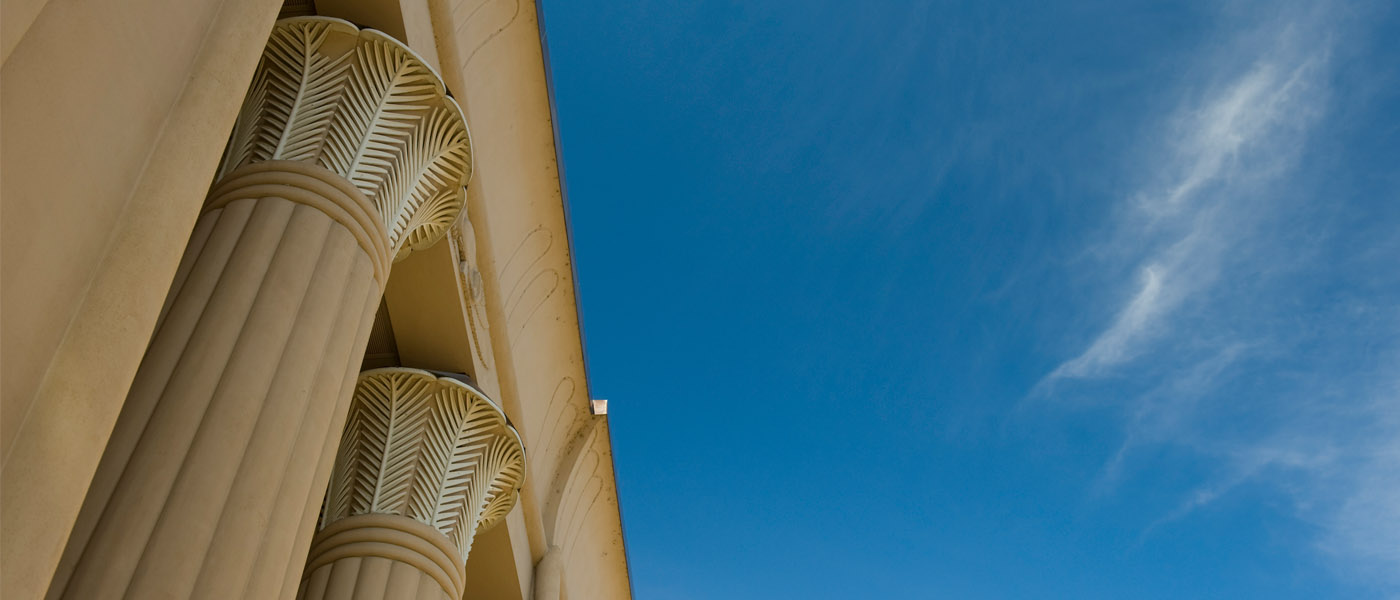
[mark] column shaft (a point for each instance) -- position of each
(208, 472)
(370, 578)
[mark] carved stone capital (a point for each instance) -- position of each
(365, 107)
(429, 448)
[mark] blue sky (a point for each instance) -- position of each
(992, 299)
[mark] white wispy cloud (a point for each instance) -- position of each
(1355, 497)
(1327, 438)
(1239, 139)
(1275, 97)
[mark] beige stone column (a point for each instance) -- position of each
(347, 154)
(425, 463)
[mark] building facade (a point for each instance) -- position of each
(288, 307)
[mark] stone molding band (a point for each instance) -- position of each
(393, 537)
(318, 188)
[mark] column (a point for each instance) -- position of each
(347, 154)
(425, 463)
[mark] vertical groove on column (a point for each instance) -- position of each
(315, 585)
(246, 521)
(429, 589)
(327, 440)
(370, 578)
(373, 580)
(198, 239)
(177, 329)
(145, 479)
(178, 325)
(242, 418)
(184, 531)
(344, 573)
(403, 582)
(279, 547)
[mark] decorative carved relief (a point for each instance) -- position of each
(529, 283)
(430, 448)
(364, 106)
(474, 290)
(580, 488)
(478, 21)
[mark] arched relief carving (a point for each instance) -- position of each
(580, 488)
(586, 523)
(525, 257)
(540, 289)
(528, 287)
(586, 500)
(564, 422)
(478, 22)
(569, 421)
(569, 465)
(563, 392)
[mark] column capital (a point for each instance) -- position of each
(367, 108)
(430, 448)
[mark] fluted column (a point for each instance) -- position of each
(425, 463)
(347, 155)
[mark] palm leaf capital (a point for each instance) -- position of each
(366, 107)
(430, 448)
